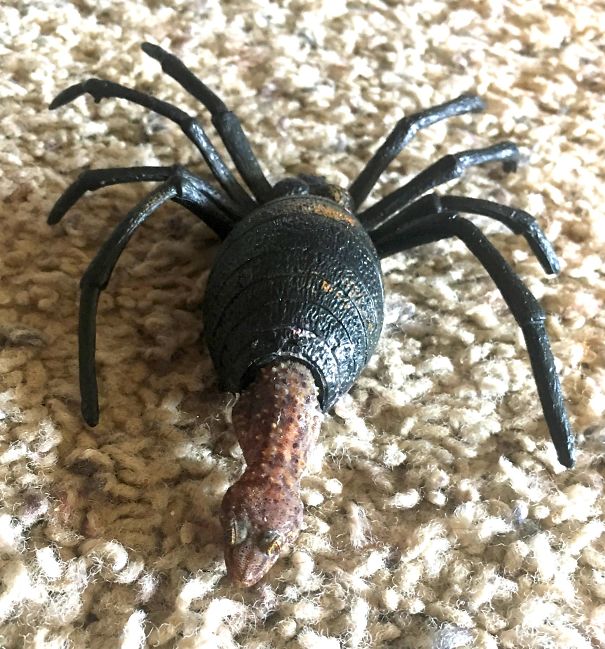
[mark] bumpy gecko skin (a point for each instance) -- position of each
(276, 420)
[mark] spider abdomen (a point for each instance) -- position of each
(299, 279)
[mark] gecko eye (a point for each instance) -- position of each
(271, 542)
(238, 531)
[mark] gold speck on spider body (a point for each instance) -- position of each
(335, 213)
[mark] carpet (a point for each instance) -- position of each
(436, 514)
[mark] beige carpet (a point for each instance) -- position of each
(436, 513)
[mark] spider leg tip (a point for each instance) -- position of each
(478, 103)
(152, 50)
(67, 95)
(566, 449)
(56, 102)
(90, 415)
(53, 217)
(554, 266)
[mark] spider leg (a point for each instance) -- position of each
(101, 89)
(443, 170)
(205, 201)
(400, 136)
(95, 280)
(518, 221)
(226, 123)
(525, 308)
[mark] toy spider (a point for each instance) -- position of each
(294, 304)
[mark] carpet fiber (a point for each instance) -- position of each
(436, 513)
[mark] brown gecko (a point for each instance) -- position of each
(276, 420)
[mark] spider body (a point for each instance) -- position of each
(298, 279)
(294, 303)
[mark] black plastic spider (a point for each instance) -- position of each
(404, 219)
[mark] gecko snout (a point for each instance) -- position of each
(259, 519)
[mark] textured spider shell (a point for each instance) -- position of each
(300, 279)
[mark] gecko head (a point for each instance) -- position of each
(259, 519)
